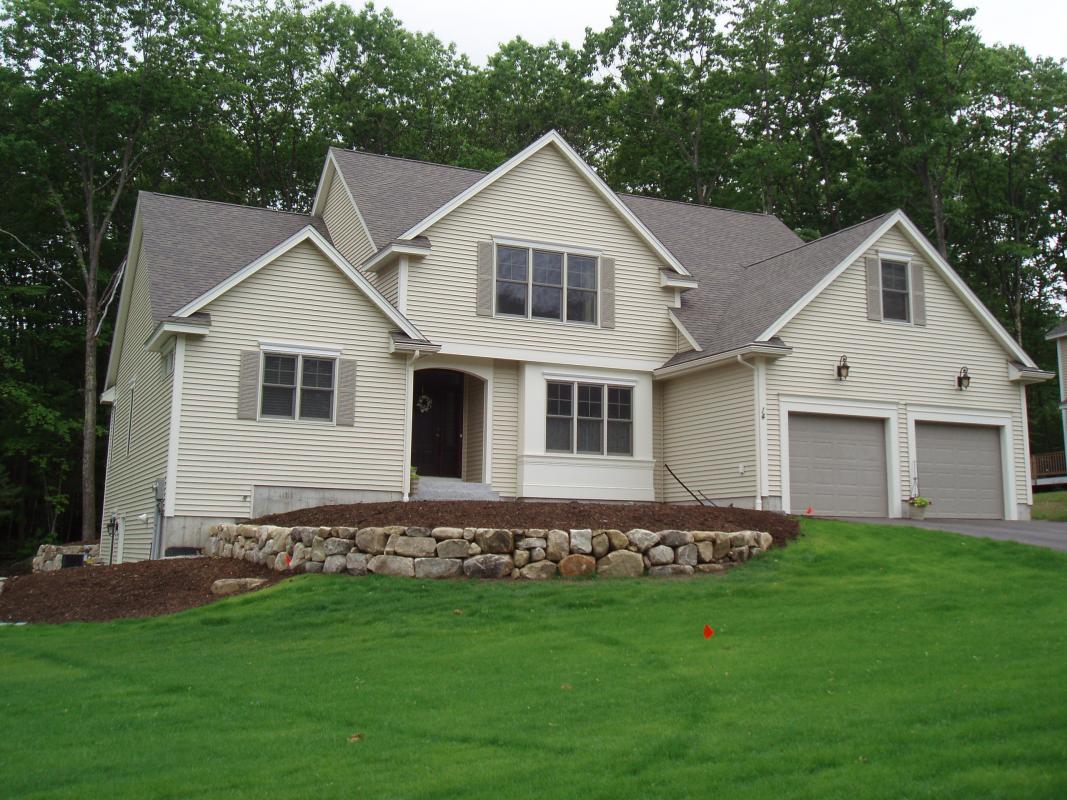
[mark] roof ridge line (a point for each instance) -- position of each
(700, 205)
(409, 160)
(231, 205)
(816, 241)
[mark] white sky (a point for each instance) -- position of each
(478, 26)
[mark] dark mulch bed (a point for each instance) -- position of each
(472, 514)
(142, 589)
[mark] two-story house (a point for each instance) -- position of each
(530, 333)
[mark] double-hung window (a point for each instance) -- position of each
(546, 284)
(297, 387)
(589, 418)
(895, 303)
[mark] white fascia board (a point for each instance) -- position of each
(386, 255)
(676, 281)
(718, 359)
(1028, 376)
(552, 137)
(107, 397)
(328, 250)
(970, 299)
(1051, 337)
(125, 297)
(331, 170)
(413, 347)
(684, 331)
(511, 353)
(165, 331)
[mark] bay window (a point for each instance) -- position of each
(589, 418)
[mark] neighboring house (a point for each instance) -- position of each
(532, 332)
(1059, 336)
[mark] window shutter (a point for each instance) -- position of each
(917, 287)
(485, 279)
(607, 292)
(248, 385)
(346, 392)
(874, 288)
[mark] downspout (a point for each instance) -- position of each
(758, 430)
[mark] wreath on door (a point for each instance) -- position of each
(425, 403)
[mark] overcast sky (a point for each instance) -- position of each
(478, 26)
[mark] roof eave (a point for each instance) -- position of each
(761, 349)
(1028, 376)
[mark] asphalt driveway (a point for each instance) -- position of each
(1039, 533)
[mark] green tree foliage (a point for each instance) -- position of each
(824, 112)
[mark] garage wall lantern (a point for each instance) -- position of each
(842, 368)
(963, 380)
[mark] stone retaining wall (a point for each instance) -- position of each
(50, 556)
(486, 552)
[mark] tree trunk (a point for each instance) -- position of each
(89, 528)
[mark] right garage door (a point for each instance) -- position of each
(959, 469)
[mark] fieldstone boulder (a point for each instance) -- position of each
(711, 568)
(490, 565)
(529, 543)
(313, 566)
(343, 533)
(356, 563)
(559, 545)
(318, 549)
(307, 535)
(227, 550)
(468, 534)
(741, 539)
(521, 558)
(494, 540)
(739, 554)
(539, 571)
(224, 586)
(412, 546)
(577, 566)
(336, 547)
(704, 536)
(621, 564)
(447, 533)
(601, 545)
(670, 571)
(616, 539)
(642, 539)
(582, 541)
(705, 552)
(687, 555)
(722, 546)
(392, 565)
(438, 568)
(675, 538)
(417, 532)
(538, 554)
(660, 554)
(334, 564)
(764, 540)
(453, 548)
(372, 540)
(281, 562)
(472, 548)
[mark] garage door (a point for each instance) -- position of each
(837, 465)
(959, 469)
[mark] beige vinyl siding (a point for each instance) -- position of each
(542, 200)
(893, 362)
(386, 281)
(129, 487)
(505, 427)
(658, 427)
(709, 432)
(342, 221)
(299, 297)
(473, 428)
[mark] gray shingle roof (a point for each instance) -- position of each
(191, 246)
(1057, 332)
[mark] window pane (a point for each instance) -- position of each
(547, 302)
(548, 268)
(589, 435)
(581, 306)
(894, 276)
(895, 305)
(581, 272)
(511, 298)
(619, 401)
(558, 436)
(280, 370)
(559, 399)
(619, 438)
(318, 373)
(316, 404)
(511, 263)
(278, 401)
(591, 401)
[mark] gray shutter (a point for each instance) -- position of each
(607, 292)
(485, 279)
(248, 385)
(917, 290)
(874, 288)
(346, 392)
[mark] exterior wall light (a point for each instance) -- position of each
(963, 380)
(842, 368)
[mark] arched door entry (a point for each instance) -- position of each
(437, 423)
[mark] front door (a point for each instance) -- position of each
(437, 423)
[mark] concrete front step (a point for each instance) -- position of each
(452, 489)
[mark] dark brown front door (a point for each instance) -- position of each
(437, 423)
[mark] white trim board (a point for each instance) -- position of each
(684, 331)
(843, 408)
(174, 433)
(935, 260)
(320, 195)
(553, 138)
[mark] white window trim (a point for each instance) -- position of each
(301, 349)
(605, 385)
(260, 417)
(562, 249)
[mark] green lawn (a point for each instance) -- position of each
(860, 662)
(1050, 505)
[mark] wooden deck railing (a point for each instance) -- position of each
(1044, 465)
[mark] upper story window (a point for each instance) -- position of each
(297, 387)
(895, 303)
(546, 284)
(589, 419)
